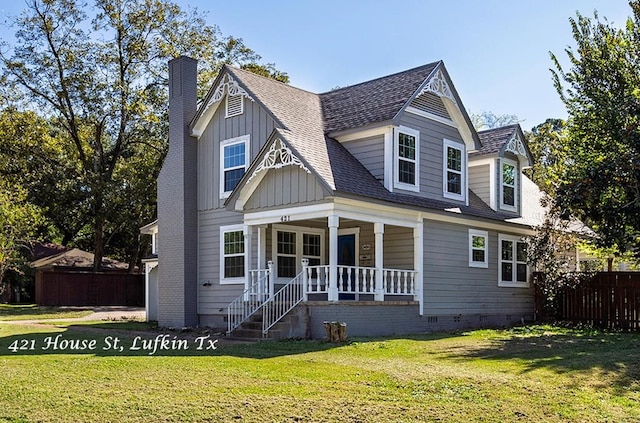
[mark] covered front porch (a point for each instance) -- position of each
(331, 252)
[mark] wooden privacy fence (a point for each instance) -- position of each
(72, 288)
(609, 300)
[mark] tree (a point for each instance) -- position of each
(18, 223)
(601, 90)
(546, 143)
(101, 81)
(489, 120)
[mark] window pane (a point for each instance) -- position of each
(231, 178)
(286, 243)
(508, 196)
(507, 271)
(454, 183)
(234, 267)
(407, 172)
(522, 272)
(521, 254)
(478, 255)
(311, 245)
(507, 250)
(407, 146)
(233, 242)
(508, 174)
(234, 155)
(477, 241)
(286, 267)
(454, 159)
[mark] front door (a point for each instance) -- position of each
(346, 257)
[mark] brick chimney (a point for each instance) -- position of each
(177, 204)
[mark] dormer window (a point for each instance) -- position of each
(455, 168)
(235, 105)
(407, 159)
(508, 184)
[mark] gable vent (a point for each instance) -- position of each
(431, 103)
(234, 105)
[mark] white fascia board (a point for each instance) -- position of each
(360, 134)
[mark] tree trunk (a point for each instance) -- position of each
(610, 264)
(134, 254)
(98, 245)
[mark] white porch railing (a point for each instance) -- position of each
(250, 301)
(282, 302)
(361, 280)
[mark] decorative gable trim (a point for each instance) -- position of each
(439, 86)
(229, 86)
(516, 146)
(278, 156)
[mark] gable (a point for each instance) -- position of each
(227, 92)
(288, 185)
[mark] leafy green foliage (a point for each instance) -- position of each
(97, 73)
(599, 182)
(18, 223)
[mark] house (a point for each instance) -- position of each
(376, 204)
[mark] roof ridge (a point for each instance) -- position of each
(513, 125)
(234, 68)
(382, 77)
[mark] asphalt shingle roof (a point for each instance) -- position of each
(373, 101)
(494, 139)
(307, 118)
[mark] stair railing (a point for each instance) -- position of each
(250, 301)
(285, 300)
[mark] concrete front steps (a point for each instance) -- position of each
(293, 325)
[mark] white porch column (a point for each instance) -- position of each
(378, 230)
(305, 279)
(418, 264)
(247, 255)
(262, 247)
(333, 223)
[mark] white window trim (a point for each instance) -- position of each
(396, 157)
(299, 231)
(463, 174)
(229, 115)
(485, 235)
(223, 230)
(514, 283)
(247, 156)
(504, 206)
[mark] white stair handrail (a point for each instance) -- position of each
(250, 301)
(285, 300)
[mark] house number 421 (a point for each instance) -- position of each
(285, 218)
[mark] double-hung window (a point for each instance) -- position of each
(478, 251)
(291, 244)
(407, 159)
(454, 175)
(234, 159)
(233, 255)
(512, 267)
(508, 184)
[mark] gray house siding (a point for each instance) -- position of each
(451, 287)
(479, 182)
(432, 134)
(370, 152)
(289, 185)
(255, 121)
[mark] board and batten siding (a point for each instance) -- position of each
(479, 182)
(370, 152)
(432, 135)
(255, 121)
(289, 185)
(451, 287)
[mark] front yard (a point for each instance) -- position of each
(524, 374)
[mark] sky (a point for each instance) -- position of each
(496, 51)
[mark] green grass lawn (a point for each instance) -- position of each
(526, 374)
(33, 312)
